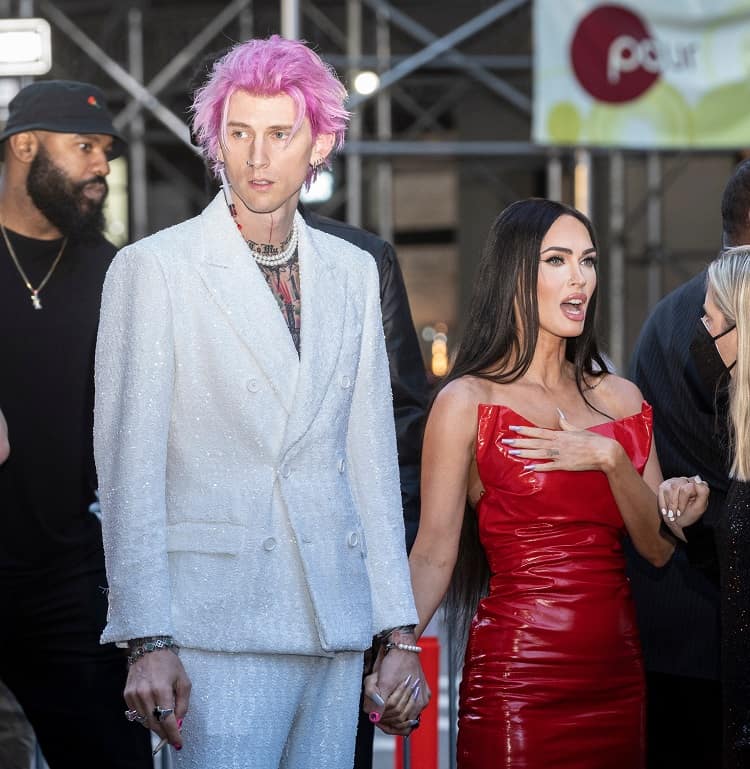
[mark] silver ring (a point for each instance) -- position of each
(161, 713)
(414, 723)
(134, 715)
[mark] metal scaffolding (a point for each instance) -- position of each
(407, 55)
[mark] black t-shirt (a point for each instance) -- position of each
(47, 395)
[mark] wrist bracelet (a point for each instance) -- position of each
(141, 646)
(403, 647)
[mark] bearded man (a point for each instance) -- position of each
(56, 149)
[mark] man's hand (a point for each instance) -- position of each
(157, 679)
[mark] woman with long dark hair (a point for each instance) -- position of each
(555, 457)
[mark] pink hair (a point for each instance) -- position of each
(269, 68)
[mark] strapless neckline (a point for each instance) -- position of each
(644, 409)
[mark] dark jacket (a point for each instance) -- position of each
(408, 378)
(678, 606)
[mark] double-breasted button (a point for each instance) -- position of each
(353, 539)
(252, 385)
(342, 465)
(286, 471)
(269, 544)
(346, 381)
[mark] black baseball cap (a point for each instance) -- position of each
(62, 106)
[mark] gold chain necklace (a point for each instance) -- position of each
(34, 291)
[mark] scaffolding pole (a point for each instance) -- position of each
(384, 129)
(654, 228)
(137, 145)
(353, 158)
(616, 258)
(290, 19)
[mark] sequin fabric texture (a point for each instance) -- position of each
(734, 557)
(245, 488)
(250, 496)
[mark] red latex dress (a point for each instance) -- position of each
(553, 677)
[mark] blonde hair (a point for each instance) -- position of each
(729, 280)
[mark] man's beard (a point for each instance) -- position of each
(63, 201)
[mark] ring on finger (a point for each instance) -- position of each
(161, 713)
(134, 715)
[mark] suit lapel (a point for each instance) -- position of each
(322, 327)
(241, 292)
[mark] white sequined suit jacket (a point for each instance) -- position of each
(250, 497)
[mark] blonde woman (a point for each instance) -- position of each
(726, 308)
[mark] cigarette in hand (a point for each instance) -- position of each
(162, 742)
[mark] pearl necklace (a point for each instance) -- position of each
(270, 256)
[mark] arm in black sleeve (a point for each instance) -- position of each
(408, 382)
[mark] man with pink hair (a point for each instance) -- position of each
(246, 450)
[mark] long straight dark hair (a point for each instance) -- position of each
(493, 347)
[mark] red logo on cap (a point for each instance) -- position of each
(92, 101)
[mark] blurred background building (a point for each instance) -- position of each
(439, 147)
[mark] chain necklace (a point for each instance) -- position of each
(33, 291)
(271, 256)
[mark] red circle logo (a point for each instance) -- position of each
(614, 55)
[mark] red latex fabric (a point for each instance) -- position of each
(553, 675)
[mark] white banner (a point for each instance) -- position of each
(642, 74)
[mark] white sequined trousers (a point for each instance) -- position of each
(262, 711)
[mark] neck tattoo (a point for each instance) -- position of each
(273, 256)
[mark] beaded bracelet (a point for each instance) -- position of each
(144, 646)
(403, 647)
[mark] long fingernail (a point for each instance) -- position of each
(406, 680)
(664, 511)
(375, 716)
(529, 467)
(562, 416)
(508, 441)
(179, 723)
(514, 452)
(515, 428)
(377, 699)
(678, 512)
(416, 684)
(415, 692)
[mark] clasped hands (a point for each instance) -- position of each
(396, 692)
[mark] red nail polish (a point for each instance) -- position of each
(179, 723)
(375, 717)
(178, 747)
